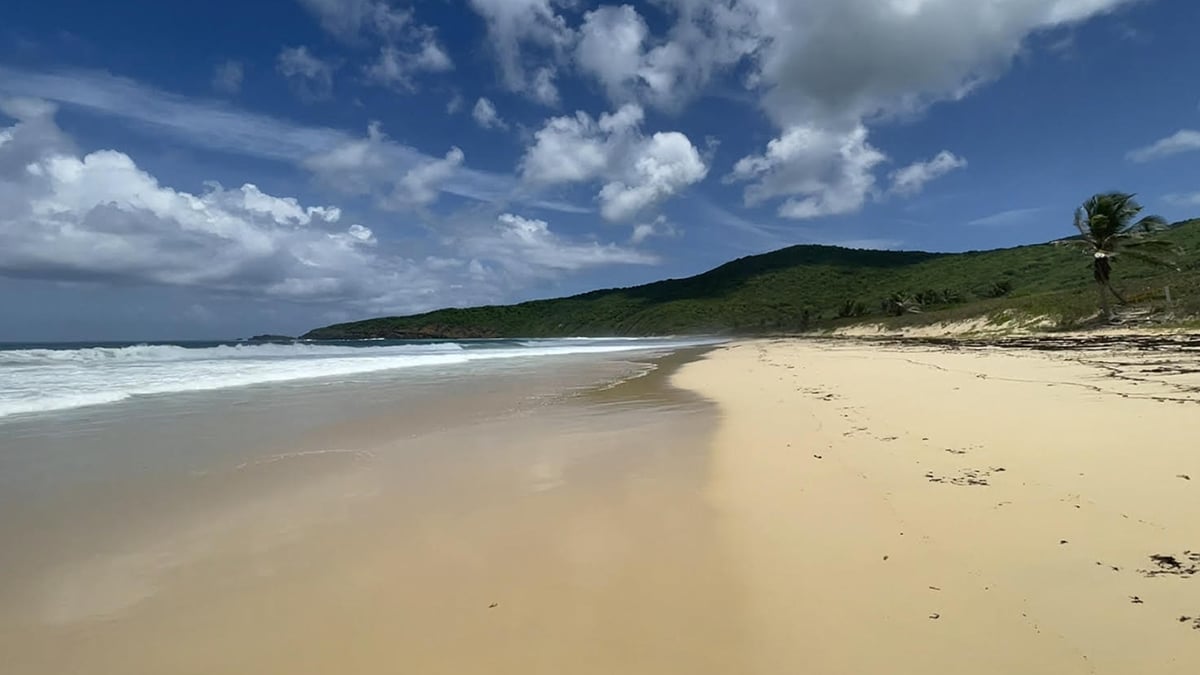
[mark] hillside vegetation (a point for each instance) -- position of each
(807, 287)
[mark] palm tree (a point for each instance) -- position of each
(1109, 227)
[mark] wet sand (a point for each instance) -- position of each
(570, 534)
(961, 508)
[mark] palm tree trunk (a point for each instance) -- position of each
(1116, 295)
(1104, 304)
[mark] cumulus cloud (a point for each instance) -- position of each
(216, 126)
(524, 31)
(659, 227)
(610, 47)
(527, 246)
(310, 77)
(911, 179)
(820, 172)
(377, 166)
(616, 47)
(1184, 140)
(845, 60)
(227, 77)
(829, 68)
(542, 88)
(421, 184)
(100, 218)
(396, 68)
(486, 116)
(349, 20)
(638, 171)
(405, 47)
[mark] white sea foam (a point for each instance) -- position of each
(41, 380)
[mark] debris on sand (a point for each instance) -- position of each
(1186, 565)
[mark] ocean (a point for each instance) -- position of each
(42, 378)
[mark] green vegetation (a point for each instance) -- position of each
(811, 287)
(1107, 229)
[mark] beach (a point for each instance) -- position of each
(532, 514)
(761, 506)
(916, 508)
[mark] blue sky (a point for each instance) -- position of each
(175, 170)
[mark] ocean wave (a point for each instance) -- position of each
(44, 380)
(145, 353)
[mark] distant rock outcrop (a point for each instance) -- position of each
(268, 337)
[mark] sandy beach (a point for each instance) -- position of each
(907, 508)
(539, 519)
(762, 507)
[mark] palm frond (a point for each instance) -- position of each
(1138, 242)
(1148, 258)
(1081, 221)
(1149, 225)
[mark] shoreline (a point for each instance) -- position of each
(906, 507)
(564, 531)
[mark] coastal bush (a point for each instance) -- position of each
(851, 309)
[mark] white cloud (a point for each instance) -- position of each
(829, 68)
(227, 77)
(660, 227)
(432, 57)
(396, 68)
(486, 116)
(840, 60)
(1185, 140)
(911, 179)
(1008, 218)
(616, 47)
(100, 218)
(310, 77)
(377, 166)
(521, 31)
(455, 104)
(610, 47)
(527, 246)
(349, 19)
(819, 171)
(542, 89)
(663, 166)
(219, 127)
(406, 48)
(1183, 199)
(420, 186)
(638, 172)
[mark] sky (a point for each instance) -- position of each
(174, 170)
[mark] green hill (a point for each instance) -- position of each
(807, 287)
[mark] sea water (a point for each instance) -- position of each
(42, 378)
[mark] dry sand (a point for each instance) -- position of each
(918, 509)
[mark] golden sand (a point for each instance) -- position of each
(911, 509)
